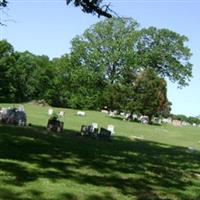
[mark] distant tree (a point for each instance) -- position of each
(43, 75)
(78, 87)
(58, 93)
(193, 120)
(7, 61)
(85, 91)
(112, 97)
(190, 120)
(180, 117)
(150, 94)
(166, 110)
(27, 79)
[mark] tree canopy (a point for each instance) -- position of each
(107, 47)
(150, 94)
(114, 63)
(120, 52)
(6, 62)
(117, 46)
(3, 3)
(92, 6)
(165, 52)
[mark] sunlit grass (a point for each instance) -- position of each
(35, 164)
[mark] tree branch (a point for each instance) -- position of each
(92, 6)
(3, 3)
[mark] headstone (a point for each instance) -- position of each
(62, 113)
(80, 113)
(50, 111)
(111, 129)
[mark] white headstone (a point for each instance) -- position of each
(50, 111)
(21, 108)
(111, 129)
(62, 113)
(80, 113)
(95, 125)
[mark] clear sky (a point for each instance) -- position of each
(47, 27)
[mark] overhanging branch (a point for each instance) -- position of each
(92, 6)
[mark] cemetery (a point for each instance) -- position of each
(97, 117)
(88, 151)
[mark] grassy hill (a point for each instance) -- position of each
(35, 164)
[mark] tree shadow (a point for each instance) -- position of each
(136, 169)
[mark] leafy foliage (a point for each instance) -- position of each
(106, 49)
(92, 6)
(119, 51)
(3, 3)
(7, 61)
(150, 94)
(190, 120)
(165, 52)
(114, 64)
(88, 6)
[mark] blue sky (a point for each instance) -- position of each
(47, 27)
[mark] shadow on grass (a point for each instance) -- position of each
(135, 169)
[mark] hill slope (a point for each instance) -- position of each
(37, 165)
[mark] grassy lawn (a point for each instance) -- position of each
(37, 165)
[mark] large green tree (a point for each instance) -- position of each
(106, 49)
(149, 95)
(23, 76)
(74, 86)
(102, 69)
(107, 46)
(29, 77)
(58, 92)
(118, 50)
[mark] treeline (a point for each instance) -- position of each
(114, 64)
(183, 118)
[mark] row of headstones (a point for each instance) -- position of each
(62, 113)
(93, 131)
(127, 116)
(89, 130)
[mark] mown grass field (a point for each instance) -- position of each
(35, 164)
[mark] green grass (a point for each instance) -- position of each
(37, 165)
